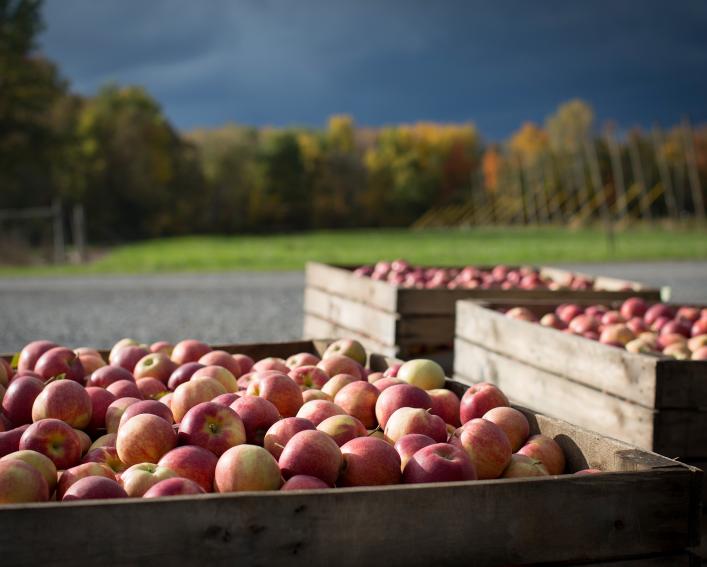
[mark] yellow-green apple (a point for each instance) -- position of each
(340, 364)
(400, 396)
(440, 462)
(57, 361)
(212, 426)
(145, 438)
(633, 307)
(257, 414)
(189, 350)
(308, 377)
(279, 389)
(513, 422)
(223, 359)
(177, 486)
(410, 444)
(423, 373)
(30, 353)
(21, 482)
(115, 412)
(65, 400)
(583, 323)
(302, 359)
(122, 343)
(553, 321)
(107, 456)
(313, 453)
(522, 466)
(42, 463)
(94, 487)
(336, 382)
(220, 374)
(10, 440)
(194, 392)
(387, 382)
(545, 450)
(313, 394)
(124, 389)
(247, 468)
(368, 461)
(699, 354)
(618, 335)
(317, 411)
(244, 361)
(271, 363)
(678, 351)
(695, 343)
(162, 346)
(342, 428)
(90, 360)
(657, 311)
(347, 347)
(107, 375)
(84, 440)
(107, 440)
(154, 365)
(304, 482)
(359, 400)
(139, 478)
(282, 431)
(151, 388)
(445, 404)
(182, 374)
(128, 357)
(522, 314)
(195, 463)
(392, 370)
(415, 420)
(74, 474)
(19, 399)
(101, 399)
(479, 399)
(146, 406)
(486, 444)
(55, 439)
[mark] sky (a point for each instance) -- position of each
(296, 62)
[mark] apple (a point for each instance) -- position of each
(616, 335)
(183, 374)
(138, 479)
(302, 359)
(129, 356)
(688, 313)
(317, 411)
(31, 353)
(244, 361)
(189, 350)
(308, 377)
(346, 347)
(610, 318)
(699, 327)
(677, 326)
(545, 450)
(213, 427)
(174, 487)
(192, 462)
(368, 461)
(553, 321)
(375, 376)
(245, 380)
(271, 363)
(100, 399)
(151, 388)
(513, 423)
(124, 389)
(152, 407)
(281, 390)
(226, 399)
(659, 310)
(70, 476)
(19, 399)
(107, 440)
(479, 399)
(107, 456)
(522, 314)
(10, 440)
(335, 383)
(486, 444)
(313, 453)
(107, 375)
(568, 312)
(258, 415)
(583, 324)
(154, 365)
(247, 468)
(359, 400)
(664, 341)
(55, 439)
(162, 346)
(282, 431)
(440, 462)
(42, 463)
(522, 466)
(407, 420)
(445, 404)
(312, 394)
(387, 382)
(84, 440)
(633, 307)
(425, 374)
(220, 374)
(699, 354)
(65, 400)
(340, 364)
(167, 399)
(678, 351)
(122, 343)
(144, 438)
(57, 361)
(115, 412)
(21, 482)
(400, 396)
(659, 323)
(392, 370)
(342, 428)
(409, 444)
(640, 346)
(598, 311)
(695, 343)
(194, 392)
(224, 360)
(637, 326)
(304, 482)
(94, 487)
(90, 362)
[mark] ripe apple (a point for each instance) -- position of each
(359, 400)
(340, 364)
(94, 487)
(144, 438)
(304, 482)
(246, 468)
(183, 374)
(192, 462)
(664, 341)
(616, 335)
(107, 375)
(31, 353)
(302, 359)
(425, 374)
(19, 399)
(57, 361)
(486, 444)
(677, 326)
(347, 347)
(84, 440)
(312, 394)
(368, 461)
(568, 312)
(611, 318)
(583, 324)
(146, 407)
(224, 360)
(139, 478)
(226, 399)
(10, 440)
(154, 365)
(342, 428)
(308, 377)
(553, 321)
(409, 444)
(440, 462)
(115, 412)
(522, 466)
(678, 351)
(220, 374)
(392, 370)
(479, 399)
(699, 354)
(633, 307)
(637, 325)
(387, 382)
(598, 311)
(128, 357)
(177, 486)
(513, 423)
(101, 399)
(151, 388)
(699, 327)
(189, 350)
(695, 343)
(107, 440)
(119, 345)
(404, 421)
(281, 390)
(42, 463)
(162, 346)
(317, 411)
(312, 453)
(194, 392)
(335, 383)
(445, 404)
(258, 415)
(282, 431)
(55, 439)
(65, 400)
(90, 362)
(271, 363)
(213, 427)
(545, 450)
(688, 313)
(520, 313)
(659, 310)
(74, 474)
(400, 396)
(21, 482)
(244, 361)
(107, 456)
(124, 389)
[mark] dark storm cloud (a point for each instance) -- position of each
(298, 61)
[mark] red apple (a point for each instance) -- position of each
(129, 356)
(107, 375)
(55, 439)
(407, 420)
(616, 335)
(244, 361)
(122, 343)
(21, 482)
(633, 307)
(553, 321)
(699, 327)
(144, 438)
(220, 374)
(317, 411)
(194, 392)
(308, 377)
(513, 423)
(346, 347)
(152, 407)
(375, 376)
(107, 440)
(195, 463)
(339, 364)
(522, 466)
(57, 361)
(246, 468)
(151, 388)
(677, 326)
(359, 400)
(410, 444)
(31, 353)
(84, 440)
(162, 346)
(154, 365)
(333, 385)
(342, 428)
(386, 382)
(582, 324)
(65, 400)
(688, 313)
(569, 312)
(637, 325)
(213, 427)
(70, 476)
(313, 453)
(312, 394)
(90, 362)
(400, 396)
(101, 399)
(282, 431)
(479, 399)
(392, 370)
(107, 456)
(124, 389)
(138, 479)
(302, 359)
(258, 415)
(612, 318)
(94, 487)
(223, 359)
(189, 350)
(446, 405)
(664, 341)
(183, 374)
(177, 486)
(10, 440)
(545, 450)
(226, 399)
(486, 444)
(369, 462)
(304, 482)
(281, 390)
(115, 412)
(271, 363)
(598, 311)
(659, 310)
(19, 399)
(42, 463)
(440, 462)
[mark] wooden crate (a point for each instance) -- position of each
(407, 322)
(657, 404)
(644, 510)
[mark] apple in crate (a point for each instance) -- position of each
(423, 373)
(339, 364)
(368, 461)
(146, 407)
(174, 487)
(247, 468)
(440, 462)
(522, 466)
(271, 363)
(162, 346)
(189, 350)
(151, 388)
(220, 374)
(57, 361)
(400, 396)
(31, 353)
(479, 399)
(282, 431)
(107, 375)
(115, 411)
(304, 482)
(145, 438)
(547, 451)
(244, 361)
(101, 399)
(281, 390)
(70, 476)
(308, 377)
(107, 456)
(21, 482)
(223, 359)
(90, 359)
(513, 423)
(407, 420)
(486, 444)
(633, 307)
(139, 478)
(359, 400)
(182, 374)
(65, 400)
(302, 359)
(94, 487)
(410, 444)
(386, 382)
(10, 440)
(336, 383)
(346, 347)
(129, 356)
(257, 415)
(124, 389)
(42, 463)
(55, 439)
(19, 399)
(122, 343)
(192, 393)
(194, 463)
(445, 404)
(154, 365)
(342, 428)
(522, 314)
(313, 453)
(213, 427)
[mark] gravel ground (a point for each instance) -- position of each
(217, 308)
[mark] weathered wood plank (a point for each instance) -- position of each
(315, 326)
(427, 329)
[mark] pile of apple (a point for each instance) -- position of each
(403, 274)
(160, 421)
(658, 329)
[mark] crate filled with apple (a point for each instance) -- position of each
(407, 311)
(302, 452)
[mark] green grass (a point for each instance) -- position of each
(483, 245)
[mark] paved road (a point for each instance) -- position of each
(230, 307)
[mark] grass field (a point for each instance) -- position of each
(290, 252)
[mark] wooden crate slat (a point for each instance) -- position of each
(315, 326)
(426, 329)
